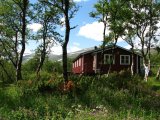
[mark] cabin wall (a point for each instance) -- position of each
(85, 63)
(77, 66)
(116, 66)
(88, 64)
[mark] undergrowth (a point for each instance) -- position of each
(116, 97)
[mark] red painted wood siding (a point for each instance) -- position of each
(86, 65)
(77, 66)
(117, 66)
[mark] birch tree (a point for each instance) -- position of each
(118, 14)
(145, 19)
(67, 9)
(101, 14)
(48, 17)
(14, 15)
(145, 16)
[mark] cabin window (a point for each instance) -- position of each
(108, 58)
(79, 61)
(125, 59)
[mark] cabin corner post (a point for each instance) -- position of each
(82, 64)
(95, 63)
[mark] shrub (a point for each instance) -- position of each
(9, 77)
(118, 96)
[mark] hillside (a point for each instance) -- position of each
(55, 57)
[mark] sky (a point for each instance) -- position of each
(88, 32)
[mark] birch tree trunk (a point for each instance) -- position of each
(113, 53)
(23, 42)
(132, 65)
(67, 34)
(158, 74)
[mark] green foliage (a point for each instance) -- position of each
(8, 75)
(69, 64)
(118, 96)
(49, 66)
(155, 59)
(31, 65)
(94, 97)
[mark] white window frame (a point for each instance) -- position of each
(109, 58)
(125, 60)
(79, 61)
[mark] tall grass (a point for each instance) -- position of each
(116, 97)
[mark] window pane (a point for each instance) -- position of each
(108, 59)
(125, 59)
(122, 61)
(80, 62)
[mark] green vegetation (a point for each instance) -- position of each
(116, 97)
(35, 90)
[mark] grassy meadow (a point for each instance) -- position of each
(116, 97)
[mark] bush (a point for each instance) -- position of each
(118, 96)
(4, 78)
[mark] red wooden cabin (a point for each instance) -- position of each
(90, 62)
